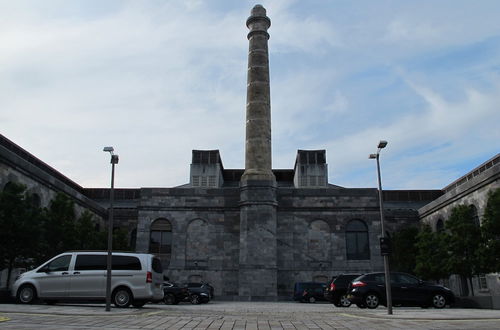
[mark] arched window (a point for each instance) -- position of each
(439, 225)
(160, 242)
(357, 245)
(475, 216)
(35, 200)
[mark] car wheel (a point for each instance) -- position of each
(122, 297)
(195, 299)
(371, 300)
(344, 302)
(311, 300)
(138, 304)
(438, 300)
(169, 299)
(26, 294)
(361, 305)
(337, 303)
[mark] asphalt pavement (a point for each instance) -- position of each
(241, 315)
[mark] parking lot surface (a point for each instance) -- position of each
(241, 315)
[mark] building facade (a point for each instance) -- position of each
(251, 232)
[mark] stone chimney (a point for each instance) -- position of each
(258, 110)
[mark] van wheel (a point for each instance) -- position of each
(312, 300)
(122, 297)
(169, 299)
(138, 303)
(26, 294)
(195, 299)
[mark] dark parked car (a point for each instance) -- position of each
(309, 291)
(336, 290)
(199, 292)
(369, 291)
(173, 293)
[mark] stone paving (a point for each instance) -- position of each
(241, 315)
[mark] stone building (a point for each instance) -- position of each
(251, 232)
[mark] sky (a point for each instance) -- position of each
(156, 79)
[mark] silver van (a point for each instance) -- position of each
(136, 278)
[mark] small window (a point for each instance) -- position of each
(303, 181)
(312, 180)
(211, 180)
(439, 225)
(321, 180)
(203, 181)
(196, 180)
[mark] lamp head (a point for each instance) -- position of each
(108, 149)
(373, 156)
(382, 144)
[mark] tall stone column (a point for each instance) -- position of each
(258, 116)
(258, 205)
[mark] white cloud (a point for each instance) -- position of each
(157, 79)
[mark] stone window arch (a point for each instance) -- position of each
(475, 216)
(319, 241)
(35, 200)
(197, 244)
(160, 239)
(357, 244)
(439, 225)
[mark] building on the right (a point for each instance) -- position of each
(471, 189)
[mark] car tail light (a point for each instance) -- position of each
(149, 277)
(332, 286)
(358, 284)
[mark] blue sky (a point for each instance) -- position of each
(156, 79)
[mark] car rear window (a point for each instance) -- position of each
(156, 265)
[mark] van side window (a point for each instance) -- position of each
(90, 262)
(126, 263)
(60, 264)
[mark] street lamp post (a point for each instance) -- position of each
(114, 160)
(388, 294)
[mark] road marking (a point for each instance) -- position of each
(416, 318)
(4, 318)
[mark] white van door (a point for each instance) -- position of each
(53, 278)
(88, 276)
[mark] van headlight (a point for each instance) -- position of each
(204, 294)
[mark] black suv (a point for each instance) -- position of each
(369, 291)
(336, 290)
